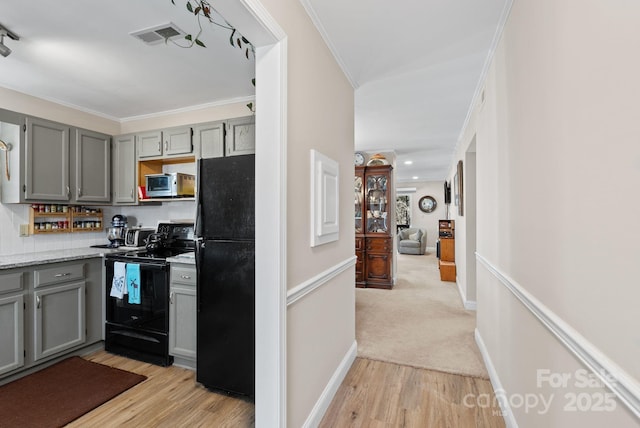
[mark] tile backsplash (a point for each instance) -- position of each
(13, 215)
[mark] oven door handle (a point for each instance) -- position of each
(147, 266)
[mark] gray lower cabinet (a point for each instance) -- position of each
(11, 322)
(58, 309)
(182, 314)
(124, 170)
(48, 311)
(58, 322)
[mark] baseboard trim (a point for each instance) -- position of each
(301, 290)
(505, 406)
(624, 386)
(470, 305)
(321, 406)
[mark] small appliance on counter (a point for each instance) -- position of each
(170, 185)
(137, 236)
(116, 233)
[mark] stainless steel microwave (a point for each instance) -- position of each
(170, 185)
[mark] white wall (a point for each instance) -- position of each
(426, 221)
(557, 165)
(321, 325)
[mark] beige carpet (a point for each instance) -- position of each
(421, 322)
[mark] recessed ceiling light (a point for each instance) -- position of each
(408, 162)
(415, 177)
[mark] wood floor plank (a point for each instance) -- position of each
(381, 394)
(169, 397)
(374, 394)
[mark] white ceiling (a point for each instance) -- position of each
(415, 65)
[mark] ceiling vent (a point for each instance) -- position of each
(159, 33)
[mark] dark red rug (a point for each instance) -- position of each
(61, 393)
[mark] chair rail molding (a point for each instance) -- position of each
(616, 379)
(301, 290)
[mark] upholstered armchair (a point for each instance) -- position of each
(412, 241)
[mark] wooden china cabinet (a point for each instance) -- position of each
(374, 228)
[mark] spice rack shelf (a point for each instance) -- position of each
(64, 219)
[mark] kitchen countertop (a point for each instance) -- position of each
(42, 257)
(186, 258)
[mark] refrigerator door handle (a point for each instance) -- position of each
(198, 256)
(197, 226)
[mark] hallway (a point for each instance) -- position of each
(398, 379)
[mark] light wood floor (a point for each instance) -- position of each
(377, 394)
(374, 394)
(169, 397)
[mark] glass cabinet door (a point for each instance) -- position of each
(359, 201)
(377, 203)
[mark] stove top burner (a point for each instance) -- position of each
(176, 238)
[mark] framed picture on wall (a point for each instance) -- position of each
(459, 189)
(403, 211)
(455, 189)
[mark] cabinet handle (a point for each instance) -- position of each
(60, 275)
(159, 146)
(37, 302)
(68, 192)
(185, 276)
(166, 146)
(79, 191)
(132, 192)
(171, 298)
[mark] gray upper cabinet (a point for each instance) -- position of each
(149, 144)
(12, 127)
(177, 141)
(124, 170)
(165, 143)
(241, 136)
(47, 160)
(208, 139)
(51, 161)
(92, 159)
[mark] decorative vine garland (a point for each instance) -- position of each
(203, 9)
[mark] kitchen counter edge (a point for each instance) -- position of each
(54, 256)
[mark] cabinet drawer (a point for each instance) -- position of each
(382, 245)
(10, 282)
(58, 274)
(183, 275)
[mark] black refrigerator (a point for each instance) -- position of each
(225, 261)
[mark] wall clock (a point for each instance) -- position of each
(427, 204)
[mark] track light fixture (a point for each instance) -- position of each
(4, 49)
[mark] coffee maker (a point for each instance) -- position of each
(116, 233)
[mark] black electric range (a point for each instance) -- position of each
(138, 327)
